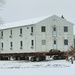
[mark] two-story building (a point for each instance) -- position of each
(36, 35)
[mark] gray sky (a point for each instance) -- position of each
(16, 10)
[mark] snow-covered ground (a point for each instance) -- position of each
(52, 67)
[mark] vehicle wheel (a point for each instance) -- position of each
(26, 58)
(37, 59)
(32, 59)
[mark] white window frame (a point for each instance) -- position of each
(43, 42)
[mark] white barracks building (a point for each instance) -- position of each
(36, 35)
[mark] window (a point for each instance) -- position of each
(1, 33)
(43, 29)
(54, 33)
(31, 29)
(54, 28)
(11, 44)
(54, 41)
(2, 45)
(10, 32)
(20, 30)
(32, 42)
(65, 29)
(27, 27)
(21, 43)
(66, 42)
(43, 42)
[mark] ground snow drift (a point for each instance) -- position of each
(28, 64)
(53, 67)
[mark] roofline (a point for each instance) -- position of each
(32, 22)
(64, 20)
(16, 27)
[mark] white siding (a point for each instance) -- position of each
(16, 38)
(48, 35)
(38, 36)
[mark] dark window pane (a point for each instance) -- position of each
(65, 29)
(2, 45)
(31, 29)
(11, 32)
(20, 30)
(65, 42)
(21, 43)
(32, 42)
(1, 33)
(10, 44)
(43, 29)
(54, 41)
(54, 28)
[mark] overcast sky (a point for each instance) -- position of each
(16, 10)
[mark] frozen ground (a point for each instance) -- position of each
(55, 67)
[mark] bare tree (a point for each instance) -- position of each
(1, 5)
(70, 52)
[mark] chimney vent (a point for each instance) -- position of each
(62, 17)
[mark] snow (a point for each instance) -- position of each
(52, 67)
(27, 22)
(23, 22)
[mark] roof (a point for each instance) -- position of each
(22, 23)
(27, 22)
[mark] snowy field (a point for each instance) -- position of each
(52, 67)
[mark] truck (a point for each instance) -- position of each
(32, 56)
